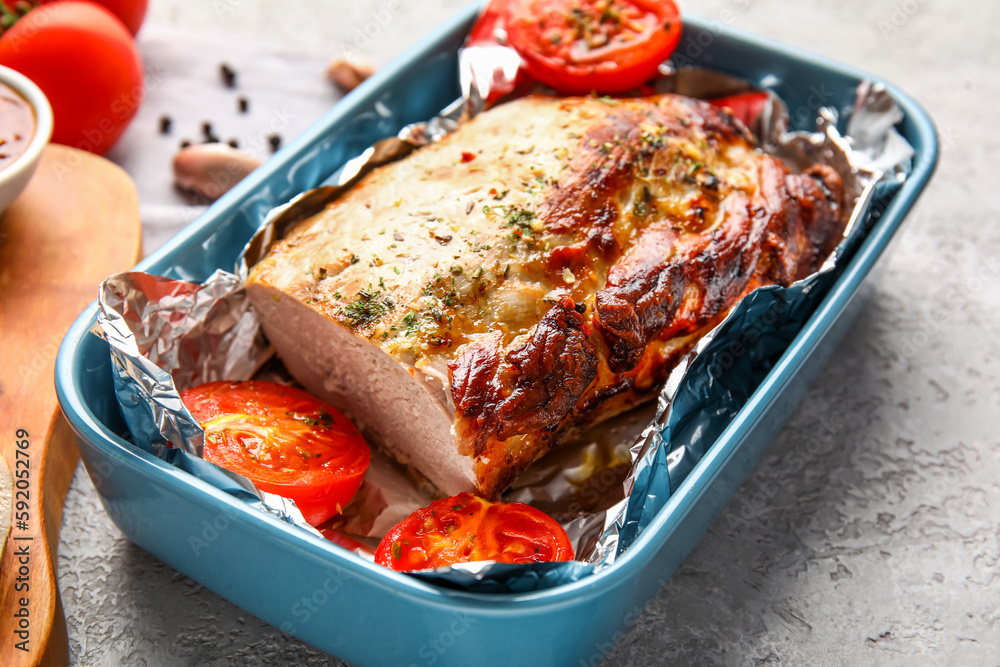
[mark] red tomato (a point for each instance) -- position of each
(284, 440)
(492, 18)
(607, 46)
(346, 541)
(129, 12)
(86, 63)
(745, 106)
(465, 528)
(485, 33)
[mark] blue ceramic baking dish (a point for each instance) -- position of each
(364, 613)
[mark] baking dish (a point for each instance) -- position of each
(364, 613)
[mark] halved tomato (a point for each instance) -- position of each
(492, 18)
(580, 46)
(745, 106)
(465, 528)
(346, 541)
(284, 440)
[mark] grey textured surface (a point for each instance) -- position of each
(870, 531)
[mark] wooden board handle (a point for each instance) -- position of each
(76, 223)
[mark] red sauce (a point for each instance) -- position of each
(17, 125)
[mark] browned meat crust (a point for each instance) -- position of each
(535, 386)
(777, 240)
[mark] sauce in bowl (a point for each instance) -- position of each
(17, 125)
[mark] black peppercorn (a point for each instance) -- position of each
(228, 75)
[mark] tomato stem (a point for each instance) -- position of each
(9, 15)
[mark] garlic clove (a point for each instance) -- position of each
(211, 170)
(349, 70)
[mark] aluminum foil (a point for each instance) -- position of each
(166, 335)
(606, 488)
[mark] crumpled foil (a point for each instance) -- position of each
(605, 489)
(166, 335)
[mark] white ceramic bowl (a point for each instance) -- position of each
(14, 178)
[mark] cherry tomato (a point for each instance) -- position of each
(745, 106)
(465, 528)
(86, 63)
(284, 440)
(129, 12)
(607, 46)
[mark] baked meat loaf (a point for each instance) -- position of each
(537, 271)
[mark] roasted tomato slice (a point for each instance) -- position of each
(745, 106)
(492, 18)
(284, 440)
(465, 528)
(607, 46)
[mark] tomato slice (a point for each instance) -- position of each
(284, 440)
(492, 18)
(465, 528)
(346, 541)
(606, 46)
(745, 106)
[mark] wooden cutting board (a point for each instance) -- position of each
(76, 223)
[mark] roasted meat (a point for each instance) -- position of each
(537, 271)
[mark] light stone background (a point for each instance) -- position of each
(876, 544)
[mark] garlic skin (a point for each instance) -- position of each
(211, 170)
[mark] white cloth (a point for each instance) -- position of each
(286, 93)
